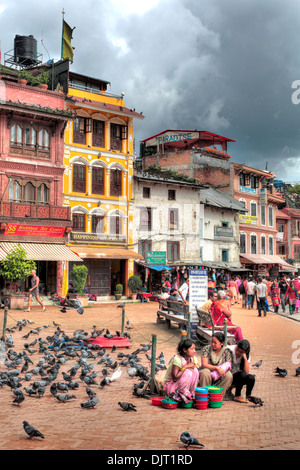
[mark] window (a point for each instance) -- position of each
(79, 185)
(253, 243)
(16, 135)
(271, 246)
(281, 227)
(173, 219)
(42, 194)
(44, 139)
(30, 137)
(297, 252)
(116, 225)
(224, 224)
(263, 245)
(97, 180)
(29, 193)
(243, 201)
(98, 223)
(115, 182)
(281, 250)
(225, 256)
(254, 182)
(242, 243)
(146, 193)
(98, 133)
(116, 137)
(270, 216)
(171, 195)
(15, 192)
(78, 223)
(146, 219)
(173, 251)
(80, 127)
(33, 141)
(263, 215)
(144, 246)
(253, 209)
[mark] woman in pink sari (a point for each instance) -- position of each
(182, 374)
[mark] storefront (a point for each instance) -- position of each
(266, 265)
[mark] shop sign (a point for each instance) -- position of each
(263, 196)
(97, 238)
(34, 230)
(246, 189)
(156, 257)
(248, 219)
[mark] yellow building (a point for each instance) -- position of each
(98, 181)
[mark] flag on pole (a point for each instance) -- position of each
(66, 47)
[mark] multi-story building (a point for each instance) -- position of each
(288, 236)
(32, 122)
(98, 162)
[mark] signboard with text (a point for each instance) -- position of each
(198, 293)
(34, 230)
(156, 257)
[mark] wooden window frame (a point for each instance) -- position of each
(98, 185)
(173, 246)
(79, 183)
(145, 219)
(78, 222)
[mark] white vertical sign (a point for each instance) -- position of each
(198, 294)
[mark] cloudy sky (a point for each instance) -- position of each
(227, 67)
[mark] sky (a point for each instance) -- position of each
(229, 67)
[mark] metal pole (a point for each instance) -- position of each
(189, 324)
(153, 356)
(4, 324)
(123, 319)
(225, 331)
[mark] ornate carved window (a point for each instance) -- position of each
(115, 182)
(79, 175)
(78, 222)
(97, 180)
(117, 134)
(98, 134)
(98, 223)
(29, 191)
(30, 140)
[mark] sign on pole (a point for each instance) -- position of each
(198, 286)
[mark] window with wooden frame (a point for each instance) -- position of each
(253, 244)
(30, 137)
(242, 242)
(98, 180)
(98, 223)
(146, 219)
(171, 194)
(44, 139)
(33, 192)
(79, 178)
(144, 246)
(78, 222)
(81, 126)
(173, 251)
(30, 140)
(263, 244)
(42, 194)
(146, 192)
(16, 135)
(117, 134)
(116, 225)
(173, 219)
(15, 192)
(115, 182)
(98, 137)
(271, 245)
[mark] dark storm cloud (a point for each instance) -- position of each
(222, 66)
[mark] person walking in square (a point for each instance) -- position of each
(261, 296)
(34, 291)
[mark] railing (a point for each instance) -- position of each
(31, 210)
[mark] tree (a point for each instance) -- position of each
(79, 275)
(15, 267)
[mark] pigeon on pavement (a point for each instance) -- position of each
(31, 431)
(127, 406)
(257, 364)
(255, 400)
(91, 403)
(189, 440)
(280, 372)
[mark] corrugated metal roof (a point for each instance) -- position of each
(105, 253)
(41, 251)
(218, 198)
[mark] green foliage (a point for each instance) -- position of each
(16, 267)
(119, 289)
(79, 275)
(134, 283)
(169, 174)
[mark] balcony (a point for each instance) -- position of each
(39, 211)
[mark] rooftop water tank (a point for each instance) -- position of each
(25, 50)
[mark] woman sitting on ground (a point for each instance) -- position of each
(220, 311)
(240, 370)
(213, 357)
(182, 373)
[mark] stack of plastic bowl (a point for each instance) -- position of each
(201, 398)
(169, 404)
(156, 401)
(215, 397)
(189, 404)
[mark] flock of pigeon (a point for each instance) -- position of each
(27, 377)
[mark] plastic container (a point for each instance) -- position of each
(201, 405)
(215, 404)
(201, 390)
(186, 405)
(169, 404)
(205, 398)
(215, 389)
(156, 400)
(201, 394)
(216, 398)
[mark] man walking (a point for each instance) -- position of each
(261, 296)
(283, 286)
(34, 290)
(251, 292)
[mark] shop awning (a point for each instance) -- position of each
(159, 268)
(41, 251)
(266, 259)
(105, 253)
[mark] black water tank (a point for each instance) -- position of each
(25, 50)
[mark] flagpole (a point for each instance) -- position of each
(62, 34)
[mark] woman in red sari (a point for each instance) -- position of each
(220, 311)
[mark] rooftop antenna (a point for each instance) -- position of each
(266, 166)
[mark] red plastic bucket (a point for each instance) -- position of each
(156, 400)
(201, 405)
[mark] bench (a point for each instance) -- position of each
(169, 309)
(204, 332)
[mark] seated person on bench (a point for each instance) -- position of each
(213, 295)
(220, 311)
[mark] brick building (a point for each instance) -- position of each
(32, 122)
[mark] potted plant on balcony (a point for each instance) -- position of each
(79, 276)
(118, 291)
(134, 283)
(15, 268)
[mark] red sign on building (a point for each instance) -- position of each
(34, 230)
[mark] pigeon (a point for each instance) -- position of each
(116, 375)
(30, 391)
(122, 305)
(31, 431)
(297, 372)
(91, 393)
(19, 396)
(64, 397)
(257, 364)
(280, 372)
(189, 440)
(255, 400)
(127, 406)
(132, 371)
(91, 403)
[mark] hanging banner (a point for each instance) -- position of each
(34, 230)
(198, 294)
